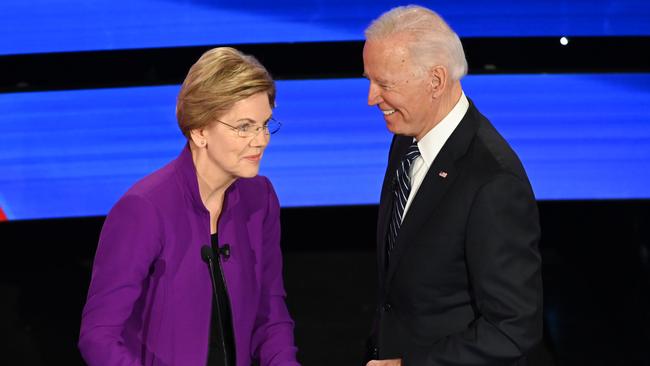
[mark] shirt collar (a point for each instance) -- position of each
(431, 144)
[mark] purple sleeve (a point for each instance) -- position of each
(128, 244)
(273, 340)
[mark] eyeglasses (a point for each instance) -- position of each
(248, 130)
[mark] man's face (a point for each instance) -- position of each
(397, 87)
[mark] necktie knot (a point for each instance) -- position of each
(412, 153)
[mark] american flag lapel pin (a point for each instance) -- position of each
(442, 174)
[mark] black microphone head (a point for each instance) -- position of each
(207, 254)
(224, 251)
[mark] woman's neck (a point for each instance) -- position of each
(212, 184)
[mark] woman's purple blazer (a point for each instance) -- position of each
(150, 297)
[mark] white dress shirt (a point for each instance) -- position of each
(431, 144)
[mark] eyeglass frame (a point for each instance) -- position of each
(265, 126)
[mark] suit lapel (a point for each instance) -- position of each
(441, 175)
(425, 202)
(398, 148)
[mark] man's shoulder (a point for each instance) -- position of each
(492, 152)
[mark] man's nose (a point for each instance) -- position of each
(374, 95)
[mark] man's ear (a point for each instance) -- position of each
(438, 79)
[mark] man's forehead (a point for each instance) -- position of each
(393, 60)
(388, 51)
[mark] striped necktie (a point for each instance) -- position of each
(401, 190)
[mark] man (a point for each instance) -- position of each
(458, 229)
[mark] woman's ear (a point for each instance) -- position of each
(198, 137)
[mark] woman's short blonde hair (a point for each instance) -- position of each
(219, 79)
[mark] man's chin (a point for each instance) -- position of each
(392, 126)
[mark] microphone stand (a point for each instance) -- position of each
(207, 254)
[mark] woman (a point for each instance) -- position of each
(151, 299)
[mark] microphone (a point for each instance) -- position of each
(207, 254)
(224, 251)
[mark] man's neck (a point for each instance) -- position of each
(447, 102)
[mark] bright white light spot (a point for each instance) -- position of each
(564, 41)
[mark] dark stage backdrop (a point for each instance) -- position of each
(596, 283)
(565, 81)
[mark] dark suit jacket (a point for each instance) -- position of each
(463, 286)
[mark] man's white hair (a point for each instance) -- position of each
(431, 40)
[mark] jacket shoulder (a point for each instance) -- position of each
(159, 186)
(256, 191)
(493, 155)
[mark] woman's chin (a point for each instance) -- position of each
(249, 173)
